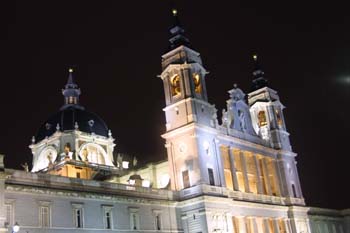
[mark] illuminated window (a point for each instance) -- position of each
(239, 170)
(186, 179)
(227, 167)
(175, 85)
(262, 118)
(251, 172)
(278, 118)
(273, 181)
(197, 83)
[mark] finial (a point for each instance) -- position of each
(235, 85)
(174, 11)
(76, 126)
(109, 133)
(33, 139)
(58, 127)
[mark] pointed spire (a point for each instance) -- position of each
(177, 32)
(70, 82)
(259, 81)
(71, 92)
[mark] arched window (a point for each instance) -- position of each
(278, 118)
(94, 153)
(262, 118)
(197, 83)
(175, 85)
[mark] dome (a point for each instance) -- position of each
(71, 117)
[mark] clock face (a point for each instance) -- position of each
(48, 155)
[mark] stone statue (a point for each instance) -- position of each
(134, 161)
(25, 167)
(84, 155)
(242, 120)
(49, 157)
(119, 160)
(224, 117)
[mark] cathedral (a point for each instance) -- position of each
(235, 174)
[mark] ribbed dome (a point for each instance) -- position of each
(71, 117)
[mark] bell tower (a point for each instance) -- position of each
(267, 111)
(187, 112)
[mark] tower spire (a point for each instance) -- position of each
(71, 92)
(177, 32)
(259, 80)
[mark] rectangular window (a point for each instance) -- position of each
(186, 179)
(78, 217)
(44, 216)
(211, 176)
(9, 214)
(134, 221)
(134, 218)
(158, 222)
(227, 167)
(107, 216)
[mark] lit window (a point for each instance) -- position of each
(262, 118)
(278, 117)
(78, 215)
(175, 85)
(197, 83)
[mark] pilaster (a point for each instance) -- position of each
(245, 174)
(258, 175)
(233, 170)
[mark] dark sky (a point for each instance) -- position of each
(116, 49)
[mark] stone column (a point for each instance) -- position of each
(258, 174)
(244, 171)
(266, 177)
(233, 169)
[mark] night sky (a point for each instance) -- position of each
(116, 51)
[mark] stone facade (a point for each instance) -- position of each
(234, 174)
